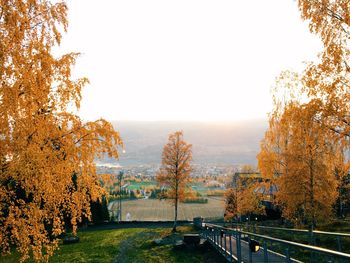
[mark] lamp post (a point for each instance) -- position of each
(120, 178)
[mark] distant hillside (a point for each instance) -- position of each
(213, 143)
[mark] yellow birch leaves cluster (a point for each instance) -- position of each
(47, 169)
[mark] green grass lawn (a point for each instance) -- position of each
(127, 245)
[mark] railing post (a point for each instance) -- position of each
(221, 236)
(287, 255)
(217, 238)
(231, 258)
(339, 243)
(266, 259)
(225, 244)
(238, 244)
(250, 254)
(311, 242)
(214, 236)
(339, 247)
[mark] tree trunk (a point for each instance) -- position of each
(311, 235)
(312, 201)
(312, 195)
(340, 206)
(340, 209)
(175, 219)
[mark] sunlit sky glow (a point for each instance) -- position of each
(184, 59)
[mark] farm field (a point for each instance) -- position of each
(140, 185)
(162, 210)
(195, 186)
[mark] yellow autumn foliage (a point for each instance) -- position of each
(303, 151)
(47, 153)
(328, 78)
(299, 155)
(242, 198)
(175, 169)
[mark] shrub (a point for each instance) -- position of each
(195, 200)
(216, 193)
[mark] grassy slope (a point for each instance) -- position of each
(126, 246)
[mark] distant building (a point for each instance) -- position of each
(264, 189)
(245, 177)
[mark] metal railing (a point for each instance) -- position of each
(233, 244)
(337, 235)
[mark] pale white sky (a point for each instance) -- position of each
(184, 59)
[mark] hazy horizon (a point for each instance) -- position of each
(213, 142)
(192, 121)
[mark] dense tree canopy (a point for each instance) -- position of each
(299, 156)
(47, 169)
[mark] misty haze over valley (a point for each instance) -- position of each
(213, 142)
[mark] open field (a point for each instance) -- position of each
(199, 187)
(127, 246)
(140, 185)
(162, 210)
